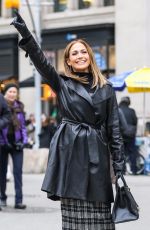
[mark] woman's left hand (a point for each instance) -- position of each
(20, 25)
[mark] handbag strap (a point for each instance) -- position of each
(125, 186)
(123, 180)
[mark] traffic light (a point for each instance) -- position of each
(47, 92)
(12, 4)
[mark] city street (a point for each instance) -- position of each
(42, 213)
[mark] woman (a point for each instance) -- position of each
(78, 171)
(12, 139)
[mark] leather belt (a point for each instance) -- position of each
(85, 125)
(91, 139)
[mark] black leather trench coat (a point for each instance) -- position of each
(79, 155)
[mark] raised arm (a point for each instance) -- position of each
(39, 60)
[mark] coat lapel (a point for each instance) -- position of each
(80, 90)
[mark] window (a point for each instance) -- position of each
(109, 2)
(55, 58)
(112, 61)
(105, 58)
(100, 53)
(60, 5)
(84, 4)
(6, 62)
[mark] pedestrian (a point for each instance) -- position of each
(48, 128)
(30, 125)
(44, 136)
(78, 170)
(12, 139)
(4, 119)
(53, 126)
(129, 133)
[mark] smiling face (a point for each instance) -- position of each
(11, 94)
(79, 58)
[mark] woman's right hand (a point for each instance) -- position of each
(20, 25)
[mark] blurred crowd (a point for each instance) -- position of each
(48, 128)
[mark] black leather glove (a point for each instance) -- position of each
(20, 25)
(19, 146)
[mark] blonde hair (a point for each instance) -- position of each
(98, 78)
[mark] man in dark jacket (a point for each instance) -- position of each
(129, 140)
(4, 115)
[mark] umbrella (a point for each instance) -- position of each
(118, 81)
(139, 81)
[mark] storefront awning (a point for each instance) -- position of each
(29, 82)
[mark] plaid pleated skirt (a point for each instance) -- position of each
(86, 215)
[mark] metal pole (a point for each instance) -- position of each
(36, 4)
(37, 77)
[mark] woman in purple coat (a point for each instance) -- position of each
(12, 140)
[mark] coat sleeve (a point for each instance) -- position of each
(116, 145)
(4, 113)
(134, 117)
(122, 122)
(46, 70)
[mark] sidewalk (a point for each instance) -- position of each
(42, 213)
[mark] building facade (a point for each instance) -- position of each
(118, 32)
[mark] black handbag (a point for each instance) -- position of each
(125, 207)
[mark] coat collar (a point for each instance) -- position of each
(99, 95)
(79, 89)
